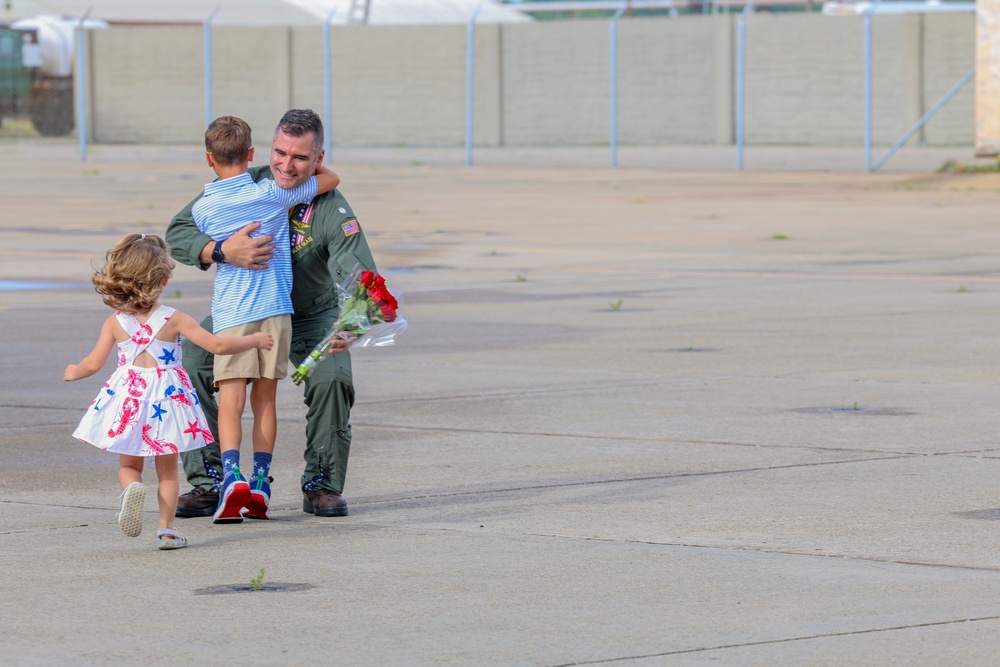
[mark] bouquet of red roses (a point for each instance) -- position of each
(367, 318)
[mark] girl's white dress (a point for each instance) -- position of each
(146, 411)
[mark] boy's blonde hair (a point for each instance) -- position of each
(228, 140)
(131, 279)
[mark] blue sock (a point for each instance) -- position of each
(261, 464)
(230, 460)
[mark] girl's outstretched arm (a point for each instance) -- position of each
(94, 361)
(190, 329)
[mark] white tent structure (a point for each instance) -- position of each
(266, 12)
(410, 12)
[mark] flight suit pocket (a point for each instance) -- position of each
(344, 265)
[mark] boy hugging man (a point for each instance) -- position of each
(247, 301)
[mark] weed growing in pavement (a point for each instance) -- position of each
(258, 581)
(616, 305)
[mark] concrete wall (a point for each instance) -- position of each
(256, 89)
(546, 83)
(398, 85)
(395, 85)
(949, 53)
(555, 88)
(147, 85)
(806, 70)
(675, 80)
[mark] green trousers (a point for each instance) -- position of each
(329, 396)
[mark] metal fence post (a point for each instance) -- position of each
(868, 89)
(868, 85)
(81, 84)
(614, 84)
(327, 88)
(741, 67)
(208, 67)
(470, 67)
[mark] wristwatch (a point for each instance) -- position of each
(217, 255)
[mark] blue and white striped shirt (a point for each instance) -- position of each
(244, 295)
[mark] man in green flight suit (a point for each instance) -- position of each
(327, 242)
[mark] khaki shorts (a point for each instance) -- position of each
(255, 363)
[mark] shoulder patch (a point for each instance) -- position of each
(350, 227)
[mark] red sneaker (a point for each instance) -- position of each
(260, 497)
(235, 497)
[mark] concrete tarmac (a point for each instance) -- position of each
(641, 417)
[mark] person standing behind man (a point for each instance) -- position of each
(327, 241)
(245, 302)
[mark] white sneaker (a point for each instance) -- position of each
(130, 515)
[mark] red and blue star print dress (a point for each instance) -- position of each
(146, 411)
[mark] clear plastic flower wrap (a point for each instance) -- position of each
(367, 319)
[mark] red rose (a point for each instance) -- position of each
(388, 312)
(367, 278)
(389, 299)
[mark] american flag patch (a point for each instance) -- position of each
(351, 227)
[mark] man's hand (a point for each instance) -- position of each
(338, 345)
(250, 253)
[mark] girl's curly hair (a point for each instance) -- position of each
(131, 279)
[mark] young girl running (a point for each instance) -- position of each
(148, 407)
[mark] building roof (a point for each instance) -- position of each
(262, 12)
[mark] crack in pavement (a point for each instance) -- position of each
(776, 552)
(22, 531)
(558, 485)
(639, 438)
(583, 436)
(766, 642)
(621, 480)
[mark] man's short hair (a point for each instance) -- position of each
(297, 122)
(228, 140)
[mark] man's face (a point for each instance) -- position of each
(293, 159)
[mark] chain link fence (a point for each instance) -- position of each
(673, 82)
